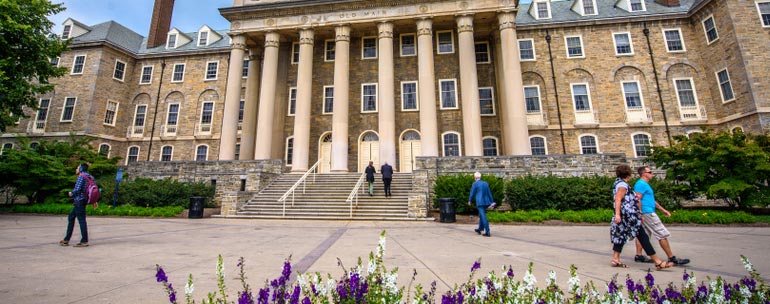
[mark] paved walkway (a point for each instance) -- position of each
(119, 266)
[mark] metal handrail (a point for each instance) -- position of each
(354, 194)
(294, 188)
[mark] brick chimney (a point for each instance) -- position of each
(160, 23)
(669, 3)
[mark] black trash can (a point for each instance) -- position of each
(196, 207)
(447, 209)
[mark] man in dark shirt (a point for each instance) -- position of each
(387, 177)
(79, 200)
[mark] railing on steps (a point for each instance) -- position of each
(293, 189)
(354, 194)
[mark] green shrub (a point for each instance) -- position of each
(102, 210)
(458, 186)
(163, 192)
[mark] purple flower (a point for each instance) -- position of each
(245, 298)
(510, 272)
(612, 287)
(728, 292)
(306, 300)
(295, 295)
(750, 283)
(476, 265)
(172, 295)
(685, 276)
(161, 275)
(264, 293)
(702, 293)
(650, 279)
(540, 301)
(630, 285)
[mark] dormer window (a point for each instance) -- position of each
(589, 7)
(65, 33)
(543, 10)
(203, 38)
(171, 41)
(636, 5)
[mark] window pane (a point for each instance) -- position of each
(724, 84)
(482, 52)
(537, 144)
(674, 41)
(211, 70)
(370, 48)
(408, 45)
(173, 114)
(642, 145)
(486, 101)
(330, 51)
(622, 44)
(445, 43)
(292, 100)
(686, 94)
(631, 91)
(328, 100)
(764, 9)
(574, 47)
(451, 145)
(490, 146)
(588, 7)
(532, 99)
(448, 94)
(133, 154)
(207, 113)
(146, 74)
(409, 95)
(139, 117)
(580, 95)
(526, 50)
(201, 153)
(69, 108)
(588, 144)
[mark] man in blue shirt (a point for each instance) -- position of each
(79, 201)
(481, 193)
(650, 219)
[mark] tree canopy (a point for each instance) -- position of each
(27, 45)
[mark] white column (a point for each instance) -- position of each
(304, 94)
(249, 125)
(232, 99)
(267, 97)
(515, 131)
(385, 86)
(341, 90)
(469, 82)
(427, 89)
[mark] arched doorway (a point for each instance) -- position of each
(410, 147)
(368, 150)
(325, 153)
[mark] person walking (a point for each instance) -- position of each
(79, 200)
(370, 171)
(627, 223)
(650, 219)
(387, 177)
(482, 195)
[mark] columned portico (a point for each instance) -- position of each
(267, 97)
(470, 86)
(249, 126)
(232, 99)
(387, 108)
(427, 88)
(514, 115)
(341, 88)
(304, 96)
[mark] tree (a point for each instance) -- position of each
(27, 46)
(733, 167)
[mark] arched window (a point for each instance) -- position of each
(537, 145)
(642, 145)
(6, 146)
(33, 145)
(104, 149)
(133, 155)
(451, 143)
(202, 153)
(737, 129)
(588, 144)
(489, 145)
(166, 152)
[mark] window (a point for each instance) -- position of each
(674, 42)
(482, 52)
(588, 144)
(543, 10)
(207, 112)
(711, 30)
(203, 38)
(78, 63)
(172, 118)
(642, 145)
(330, 49)
(764, 13)
(369, 47)
(409, 96)
(685, 92)
(532, 99)
(589, 7)
(146, 75)
(289, 150)
(448, 93)
(55, 61)
(141, 111)
(178, 75)
(527, 50)
(445, 42)
(580, 97)
(451, 144)
(574, 46)
(292, 100)
(245, 69)
(42, 114)
(486, 101)
(632, 95)
(6, 146)
(369, 97)
(202, 153)
(636, 5)
(328, 107)
(65, 33)
(110, 113)
(408, 45)
(724, 85)
(241, 107)
(104, 150)
(295, 52)
(120, 70)
(237, 151)
(537, 145)
(33, 145)
(166, 152)
(736, 130)
(623, 44)
(132, 155)
(171, 41)
(211, 70)
(69, 109)
(489, 146)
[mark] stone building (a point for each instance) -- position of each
(348, 82)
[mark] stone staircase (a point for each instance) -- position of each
(325, 199)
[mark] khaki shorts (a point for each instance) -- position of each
(654, 226)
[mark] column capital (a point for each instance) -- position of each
(306, 36)
(507, 20)
(464, 23)
(256, 53)
(385, 29)
(424, 26)
(272, 39)
(239, 41)
(342, 33)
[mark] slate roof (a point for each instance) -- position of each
(561, 11)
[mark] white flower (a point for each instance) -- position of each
(188, 288)
(574, 284)
(481, 292)
(381, 247)
(390, 282)
(551, 278)
(530, 280)
(372, 267)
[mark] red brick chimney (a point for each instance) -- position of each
(160, 23)
(669, 3)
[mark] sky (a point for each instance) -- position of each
(189, 15)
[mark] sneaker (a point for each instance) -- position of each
(678, 261)
(64, 243)
(642, 259)
(477, 231)
(81, 245)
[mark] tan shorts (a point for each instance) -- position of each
(654, 226)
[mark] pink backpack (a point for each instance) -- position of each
(92, 191)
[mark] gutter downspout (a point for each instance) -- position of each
(157, 102)
(556, 92)
(646, 32)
